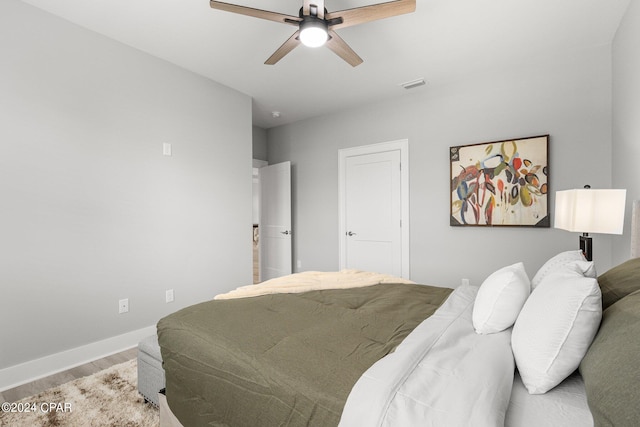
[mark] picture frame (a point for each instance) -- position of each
(500, 183)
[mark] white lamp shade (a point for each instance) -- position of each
(590, 211)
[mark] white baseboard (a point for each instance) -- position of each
(32, 370)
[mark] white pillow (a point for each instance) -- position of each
(559, 261)
(555, 327)
(500, 299)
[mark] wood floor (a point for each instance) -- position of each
(35, 387)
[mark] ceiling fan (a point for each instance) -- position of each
(316, 26)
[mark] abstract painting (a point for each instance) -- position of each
(502, 183)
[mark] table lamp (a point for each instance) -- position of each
(590, 210)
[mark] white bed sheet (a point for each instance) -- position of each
(564, 405)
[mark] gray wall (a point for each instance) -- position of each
(567, 97)
(626, 118)
(259, 143)
(90, 209)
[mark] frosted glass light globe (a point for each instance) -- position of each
(313, 36)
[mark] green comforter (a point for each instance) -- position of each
(285, 359)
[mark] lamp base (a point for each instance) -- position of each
(586, 246)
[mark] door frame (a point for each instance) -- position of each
(403, 146)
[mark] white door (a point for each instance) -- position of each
(372, 224)
(275, 221)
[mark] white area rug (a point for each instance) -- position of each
(107, 398)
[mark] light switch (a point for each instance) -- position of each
(166, 149)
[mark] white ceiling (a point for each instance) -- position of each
(443, 41)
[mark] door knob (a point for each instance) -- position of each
(286, 233)
(350, 233)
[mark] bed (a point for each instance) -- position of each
(356, 348)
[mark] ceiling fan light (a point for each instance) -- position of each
(313, 33)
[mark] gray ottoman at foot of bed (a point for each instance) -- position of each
(150, 372)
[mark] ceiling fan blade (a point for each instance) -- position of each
(256, 13)
(373, 12)
(342, 49)
(319, 5)
(286, 47)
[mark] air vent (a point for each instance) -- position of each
(413, 84)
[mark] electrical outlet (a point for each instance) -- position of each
(465, 282)
(168, 295)
(123, 306)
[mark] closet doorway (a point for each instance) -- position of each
(257, 164)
